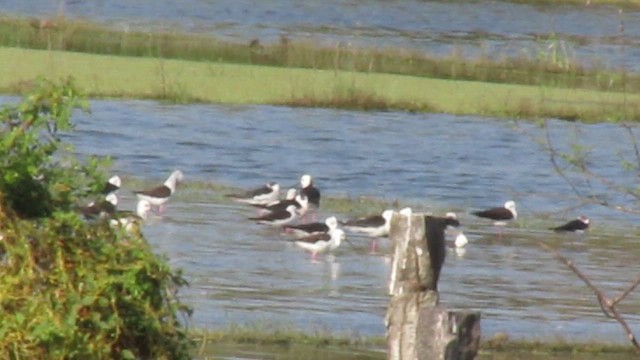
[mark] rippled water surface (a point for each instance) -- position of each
(240, 272)
(492, 28)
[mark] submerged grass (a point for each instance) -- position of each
(216, 193)
(189, 81)
(536, 68)
(535, 225)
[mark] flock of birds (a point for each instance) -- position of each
(295, 214)
(154, 199)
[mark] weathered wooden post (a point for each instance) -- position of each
(417, 327)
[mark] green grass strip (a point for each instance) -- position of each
(191, 81)
(547, 63)
(265, 335)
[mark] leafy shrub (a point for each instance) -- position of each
(70, 289)
(39, 173)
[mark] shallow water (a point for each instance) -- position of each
(295, 352)
(243, 273)
(492, 28)
(312, 352)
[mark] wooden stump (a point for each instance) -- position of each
(417, 328)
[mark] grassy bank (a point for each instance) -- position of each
(190, 81)
(546, 65)
(290, 344)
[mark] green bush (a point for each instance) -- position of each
(70, 289)
(40, 174)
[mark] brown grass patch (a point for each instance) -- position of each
(355, 99)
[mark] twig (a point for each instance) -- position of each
(626, 292)
(552, 157)
(634, 141)
(607, 306)
(611, 185)
(625, 209)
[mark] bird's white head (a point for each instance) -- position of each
(461, 240)
(112, 198)
(331, 222)
(305, 181)
(584, 219)
(115, 181)
(452, 220)
(511, 206)
(274, 186)
(143, 209)
(174, 179)
(291, 194)
(406, 211)
(387, 215)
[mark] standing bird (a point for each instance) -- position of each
(263, 195)
(101, 208)
(302, 204)
(500, 215)
(112, 185)
(304, 230)
(143, 210)
(311, 192)
(278, 218)
(129, 220)
(580, 224)
(321, 242)
(299, 200)
(160, 195)
(375, 226)
(291, 195)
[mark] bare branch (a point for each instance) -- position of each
(626, 292)
(610, 184)
(634, 141)
(625, 326)
(553, 154)
(626, 209)
(607, 306)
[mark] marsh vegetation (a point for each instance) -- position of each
(187, 68)
(181, 67)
